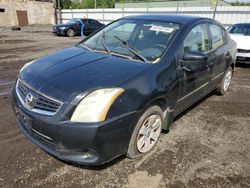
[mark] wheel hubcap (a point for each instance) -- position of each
(227, 80)
(70, 33)
(149, 133)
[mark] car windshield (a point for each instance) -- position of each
(135, 39)
(242, 29)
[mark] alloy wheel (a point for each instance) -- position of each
(227, 80)
(149, 133)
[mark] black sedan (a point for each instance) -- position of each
(74, 26)
(114, 92)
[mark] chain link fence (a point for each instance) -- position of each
(219, 10)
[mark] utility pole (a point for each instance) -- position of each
(177, 9)
(95, 4)
(215, 8)
(60, 12)
(55, 12)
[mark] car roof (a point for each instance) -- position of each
(170, 18)
(242, 24)
(83, 19)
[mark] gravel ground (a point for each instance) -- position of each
(207, 146)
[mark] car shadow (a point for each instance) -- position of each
(194, 105)
(242, 65)
(65, 36)
(95, 167)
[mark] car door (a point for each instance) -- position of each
(99, 25)
(221, 52)
(90, 26)
(77, 27)
(95, 25)
(194, 76)
(86, 26)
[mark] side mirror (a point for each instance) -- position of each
(192, 57)
(195, 57)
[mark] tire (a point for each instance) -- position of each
(15, 28)
(70, 33)
(146, 133)
(224, 85)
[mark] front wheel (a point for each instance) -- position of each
(146, 132)
(224, 85)
(70, 32)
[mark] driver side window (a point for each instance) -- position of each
(197, 39)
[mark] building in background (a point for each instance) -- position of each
(26, 12)
(173, 3)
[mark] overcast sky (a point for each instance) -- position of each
(247, 1)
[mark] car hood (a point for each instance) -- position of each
(243, 42)
(72, 71)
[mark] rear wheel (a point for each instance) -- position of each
(16, 28)
(146, 132)
(70, 32)
(224, 85)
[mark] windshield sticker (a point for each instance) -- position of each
(162, 29)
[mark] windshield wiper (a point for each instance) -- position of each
(131, 48)
(103, 42)
(85, 46)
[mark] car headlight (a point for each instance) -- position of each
(94, 107)
(26, 65)
(62, 28)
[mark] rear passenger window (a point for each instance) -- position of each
(218, 36)
(92, 21)
(197, 39)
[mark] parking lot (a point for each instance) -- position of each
(207, 146)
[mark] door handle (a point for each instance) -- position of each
(228, 55)
(209, 64)
(183, 67)
(186, 69)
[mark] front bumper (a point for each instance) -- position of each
(243, 57)
(59, 31)
(83, 143)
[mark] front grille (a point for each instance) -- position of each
(243, 59)
(243, 51)
(35, 101)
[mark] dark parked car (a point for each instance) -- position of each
(73, 27)
(114, 92)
